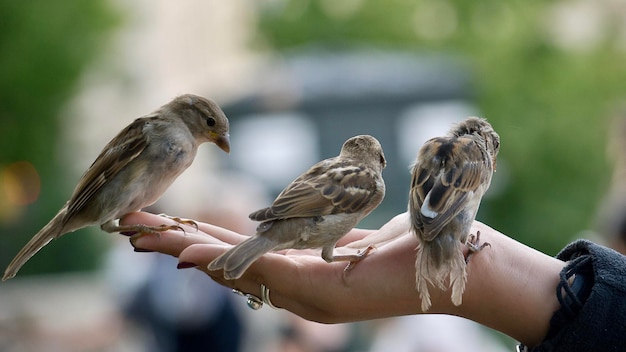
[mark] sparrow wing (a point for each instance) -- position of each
(331, 186)
(120, 151)
(448, 173)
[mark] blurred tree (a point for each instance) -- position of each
(547, 90)
(44, 47)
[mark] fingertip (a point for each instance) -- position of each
(141, 242)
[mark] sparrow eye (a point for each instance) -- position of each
(210, 121)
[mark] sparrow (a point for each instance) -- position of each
(316, 209)
(449, 178)
(133, 170)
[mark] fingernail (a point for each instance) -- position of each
(128, 233)
(185, 265)
(133, 240)
(141, 250)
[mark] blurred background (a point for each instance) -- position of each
(296, 78)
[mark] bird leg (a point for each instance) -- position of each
(133, 230)
(138, 230)
(473, 243)
(352, 258)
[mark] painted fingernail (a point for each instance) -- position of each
(128, 233)
(141, 250)
(186, 265)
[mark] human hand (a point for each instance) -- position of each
(510, 288)
(294, 275)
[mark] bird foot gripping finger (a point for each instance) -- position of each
(473, 243)
(355, 259)
(138, 230)
(181, 221)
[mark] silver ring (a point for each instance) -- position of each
(252, 301)
(265, 296)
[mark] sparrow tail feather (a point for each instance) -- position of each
(49, 232)
(430, 270)
(458, 278)
(238, 259)
(422, 278)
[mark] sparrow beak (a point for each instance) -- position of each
(222, 141)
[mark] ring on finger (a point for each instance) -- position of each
(253, 302)
(265, 296)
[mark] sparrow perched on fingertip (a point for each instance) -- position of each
(449, 178)
(317, 209)
(133, 170)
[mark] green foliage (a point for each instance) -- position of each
(549, 104)
(44, 47)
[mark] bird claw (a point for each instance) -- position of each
(358, 257)
(182, 221)
(141, 230)
(473, 243)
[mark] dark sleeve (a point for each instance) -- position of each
(592, 293)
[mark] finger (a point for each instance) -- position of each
(394, 228)
(153, 220)
(222, 234)
(219, 233)
(170, 242)
(353, 235)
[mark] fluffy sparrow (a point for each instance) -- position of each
(134, 170)
(316, 209)
(449, 178)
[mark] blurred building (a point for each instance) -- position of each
(309, 102)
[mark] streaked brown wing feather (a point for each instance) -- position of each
(449, 172)
(121, 150)
(355, 189)
(329, 187)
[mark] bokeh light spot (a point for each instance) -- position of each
(20, 183)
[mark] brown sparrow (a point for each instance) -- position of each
(449, 178)
(317, 209)
(134, 170)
